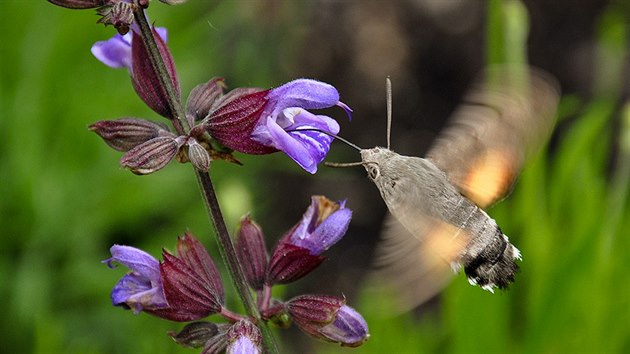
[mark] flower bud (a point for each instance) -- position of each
(151, 155)
(251, 251)
(328, 318)
(144, 78)
(298, 252)
(243, 338)
(202, 98)
(198, 155)
(191, 282)
(196, 334)
(78, 4)
(126, 133)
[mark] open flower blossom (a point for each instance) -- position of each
(116, 51)
(184, 287)
(285, 121)
(141, 289)
(299, 252)
(255, 121)
(322, 225)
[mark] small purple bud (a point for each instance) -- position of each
(328, 318)
(144, 78)
(79, 4)
(198, 155)
(202, 99)
(349, 328)
(195, 255)
(251, 251)
(196, 334)
(126, 133)
(244, 338)
(191, 282)
(141, 289)
(151, 155)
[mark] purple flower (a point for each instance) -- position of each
(348, 328)
(116, 51)
(328, 318)
(255, 121)
(286, 112)
(322, 225)
(299, 251)
(141, 289)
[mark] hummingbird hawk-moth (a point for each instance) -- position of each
(438, 223)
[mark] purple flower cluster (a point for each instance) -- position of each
(247, 120)
(186, 286)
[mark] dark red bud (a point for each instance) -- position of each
(251, 251)
(145, 80)
(126, 133)
(151, 155)
(188, 295)
(315, 308)
(203, 97)
(196, 257)
(289, 263)
(79, 4)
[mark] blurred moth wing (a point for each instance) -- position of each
(438, 225)
(503, 120)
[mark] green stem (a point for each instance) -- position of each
(226, 248)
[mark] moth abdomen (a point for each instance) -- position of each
(495, 265)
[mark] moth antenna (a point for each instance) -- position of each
(327, 133)
(388, 89)
(343, 164)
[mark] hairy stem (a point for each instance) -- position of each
(223, 239)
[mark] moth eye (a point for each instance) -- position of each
(373, 172)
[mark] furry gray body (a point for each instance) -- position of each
(418, 194)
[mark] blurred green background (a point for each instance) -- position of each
(64, 201)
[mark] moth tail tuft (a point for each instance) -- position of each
(498, 273)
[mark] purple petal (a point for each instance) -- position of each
(307, 148)
(135, 259)
(349, 328)
(331, 230)
(114, 52)
(243, 345)
(137, 292)
(303, 93)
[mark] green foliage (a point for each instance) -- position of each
(60, 194)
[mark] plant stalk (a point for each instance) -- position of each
(226, 247)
